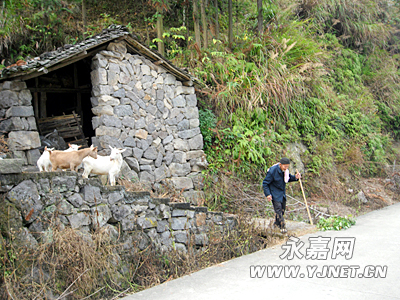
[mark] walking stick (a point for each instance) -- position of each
(304, 196)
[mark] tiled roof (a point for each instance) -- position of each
(49, 59)
(40, 65)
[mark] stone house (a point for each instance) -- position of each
(124, 95)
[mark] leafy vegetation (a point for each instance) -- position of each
(335, 223)
(322, 73)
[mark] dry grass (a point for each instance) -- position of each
(73, 265)
(3, 144)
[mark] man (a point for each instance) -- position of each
(274, 186)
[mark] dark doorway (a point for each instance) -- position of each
(65, 91)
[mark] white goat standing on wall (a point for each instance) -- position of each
(104, 165)
(43, 162)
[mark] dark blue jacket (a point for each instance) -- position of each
(274, 183)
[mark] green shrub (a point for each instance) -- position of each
(335, 223)
(208, 122)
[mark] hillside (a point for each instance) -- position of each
(319, 82)
(316, 81)
(320, 78)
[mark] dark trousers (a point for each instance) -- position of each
(279, 208)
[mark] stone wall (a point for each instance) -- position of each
(33, 201)
(144, 109)
(17, 121)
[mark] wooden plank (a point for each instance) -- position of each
(68, 127)
(59, 90)
(80, 128)
(78, 94)
(43, 109)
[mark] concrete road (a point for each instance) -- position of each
(370, 271)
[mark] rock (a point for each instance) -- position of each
(141, 133)
(115, 197)
(25, 97)
(162, 226)
(109, 131)
(24, 239)
(98, 77)
(294, 151)
(111, 121)
(146, 223)
(168, 140)
(119, 212)
(101, 215)
(181, 236)
(123, 110)
(20, 111)
(179, 101)
(195, 197)
(180, 144)
(25, 197)
(180, 223)
(201, 239)
(192, 113)
(106, 141)
(110, 232)
(10, 218)
(161, 173)
(133, 163)
(187, 134)
(11, 166)
(138, 153)
(361, 197)
(196, 142)
(78, 220)
(191, 100)
(194, 123)
(62, 184)
(128, 122)
(151, 153)
(169, 79)
(146, 176)
(8, 99)
(194, 154)
(92, 194)
(103, 110)
(182, 183)
(23, 140)
(12, 124)
(182, 213)
(145, 69)
(179, 169)
(64, 207)
(76, 200)
(112, 78)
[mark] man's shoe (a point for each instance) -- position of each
(283, 230)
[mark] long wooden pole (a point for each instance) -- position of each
(304, 197)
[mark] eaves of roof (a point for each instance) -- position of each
(69, 54)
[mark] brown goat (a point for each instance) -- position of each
(65, 160)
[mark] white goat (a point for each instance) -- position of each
(43, 162)
(104, 165)
(73, 147)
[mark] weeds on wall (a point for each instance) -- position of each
(70, 263)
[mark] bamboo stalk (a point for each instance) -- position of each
(305, 200)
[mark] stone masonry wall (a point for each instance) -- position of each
(144, 109)
(33, 201)
(17, 121)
